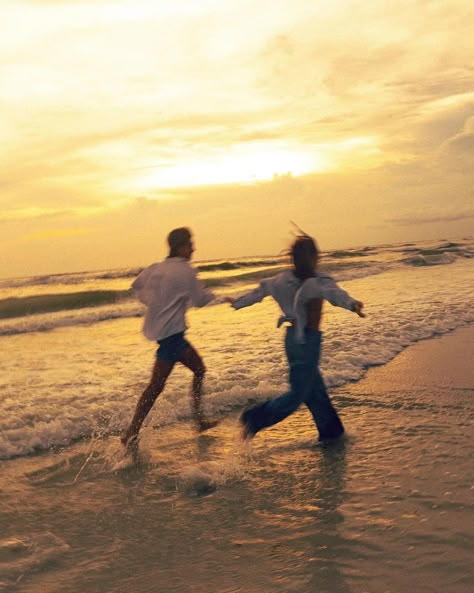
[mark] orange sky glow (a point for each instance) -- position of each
(121, 120)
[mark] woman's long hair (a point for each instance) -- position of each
(304, 253)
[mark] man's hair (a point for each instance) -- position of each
(303, 252)
(178, 238)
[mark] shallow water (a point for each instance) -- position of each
(82, 380)
(387, 510)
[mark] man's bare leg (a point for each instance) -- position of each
(191, 359)
(160, 374)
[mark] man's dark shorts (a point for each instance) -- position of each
(171, 348)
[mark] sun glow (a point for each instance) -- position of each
(241, 164)
(259, 162)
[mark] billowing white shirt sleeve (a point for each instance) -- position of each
(325, 287)
(140, 287)
(199, 294)
(254, 296)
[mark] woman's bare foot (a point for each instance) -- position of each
(248, 430)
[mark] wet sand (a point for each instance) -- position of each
(412, 425)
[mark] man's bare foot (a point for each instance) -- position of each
(204, 425)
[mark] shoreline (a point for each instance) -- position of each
(427, 372)
(442, 357)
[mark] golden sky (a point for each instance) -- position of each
(120, 120)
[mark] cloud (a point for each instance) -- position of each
(49, 234)
(340, 209)
(463, 143)
(418, 218)
(30, 214)
(455, 156)
(373, 78)
(106, 101)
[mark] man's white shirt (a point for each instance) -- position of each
(168, 289)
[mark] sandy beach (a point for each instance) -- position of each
(388, 510)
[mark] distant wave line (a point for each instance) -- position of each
(49, 303)
(340, 267)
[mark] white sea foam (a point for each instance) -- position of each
(49, 321)
(84, 380)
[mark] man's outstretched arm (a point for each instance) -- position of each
(200, 295)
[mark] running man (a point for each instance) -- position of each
(167, 289)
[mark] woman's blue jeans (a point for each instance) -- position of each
(306, 386)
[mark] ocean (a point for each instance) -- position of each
(208, 513)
